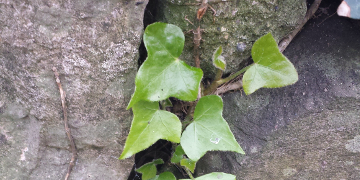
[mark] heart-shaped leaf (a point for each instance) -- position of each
(215, 176)
(149, 170)
(178, 154)
(163, 74)
(218, 59)
(165, 176)
(271, 69)
(149, 125)
(209, 130)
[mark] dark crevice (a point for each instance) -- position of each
(149, 18)
(162, 148)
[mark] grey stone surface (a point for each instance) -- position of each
(238, 24)
(309, 130)
(94, 45)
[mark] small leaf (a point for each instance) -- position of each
(149, 125)
(218, 60)
(165, 176)
(215, 176)
(188, 163)
(149, 170)
(271, 69)
(209, 130)
(163, 74)
(178, 154)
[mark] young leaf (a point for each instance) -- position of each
(165, 176)
(218, 59)
(163, 74)
(149, 125)
(271, 69)
(178, 154)
(149, 170)
(209, 131)
(215, 176)
(188, 163)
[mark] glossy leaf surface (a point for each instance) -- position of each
(215, 176)
(209, 130)
(163, 75)
(178, 155)
(149, 125)
(165, 176)
(218, 59)
(271, 69)
(149, 170)
(188, 163)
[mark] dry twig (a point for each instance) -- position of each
(311, 11)
(233, 85)
(66, 124)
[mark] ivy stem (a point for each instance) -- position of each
(218, 75)
(233, 76)
(189, 173)
(216, 83)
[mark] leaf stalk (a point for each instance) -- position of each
(216, 83)
(189, 173)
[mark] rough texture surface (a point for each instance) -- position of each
(238, 24)
(309, 130)
(94, 45)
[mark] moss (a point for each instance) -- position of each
(235, 22)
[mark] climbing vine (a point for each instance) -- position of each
(164, 75)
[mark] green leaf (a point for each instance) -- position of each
(215, 176)
(271, 69)
(149, 170)
(165, 176)
(218, 60)
(209, 131)
(188, 163)
(163, 74)
(149, 125)
(178, 154)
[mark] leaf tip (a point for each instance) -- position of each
(123, 156)
(218, 60)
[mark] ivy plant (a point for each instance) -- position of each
(164, 75)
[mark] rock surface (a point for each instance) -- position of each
(309, 130)
(94, 45)
(238, 24)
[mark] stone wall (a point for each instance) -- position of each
(236, 25)
(94, 45)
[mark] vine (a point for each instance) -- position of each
(164, 75)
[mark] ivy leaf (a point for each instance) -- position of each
(271, 69)
(178, 154)
(163, 74)
(215, 176)
(209, 130)
(218, 59)
(165, 176)
(149, 170)
(188, 163)
(149, 125)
